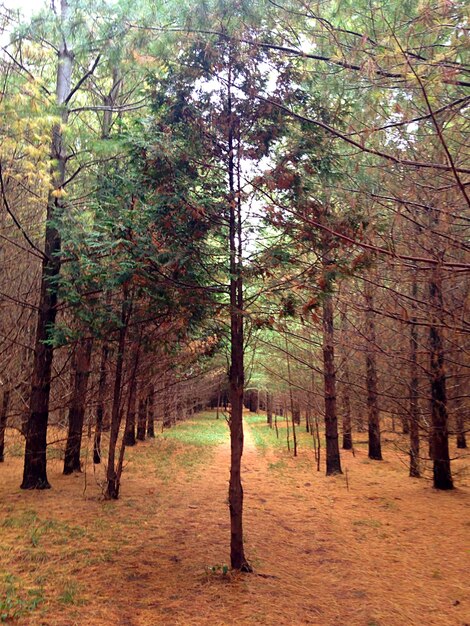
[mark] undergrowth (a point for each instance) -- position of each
(188, 445)
(15, 601)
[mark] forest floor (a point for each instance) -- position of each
(369, 548)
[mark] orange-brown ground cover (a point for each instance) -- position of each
(387, 551)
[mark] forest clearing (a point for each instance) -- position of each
(234, 312)
(324, 553)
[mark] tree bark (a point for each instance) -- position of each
(296, 414)
(166, 423)
(347, 423)
(100, 404)
(291, 399)
(142, 419)
(218, 401)
(112, 479)
(151, 413)
(77, 407)
(442, 476)
(129, 431)
(269, 408)
(35, 462)
(333, 459)
(415, 471)
(3, 422)
(375, 447)
(460, 427)
(460, 418)
(237, 372)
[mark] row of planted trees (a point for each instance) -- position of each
(381, 379)
(284, 178)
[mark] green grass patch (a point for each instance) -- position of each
(16, 602)
(201, 430)
(187, 445)
(57, 532)
(264, 436)
(21, 520)
(70, 593)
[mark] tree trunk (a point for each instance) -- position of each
(218, 401)
(237, 372)
(100, 404)
(413, 421)
(460, 419)
(142, 419)
(405, 425)
(286, 416)
(77, 407)
(439, 420)
(166, 408)
(296, 413)
(112, 488)
(375, 448)
(347, 424)
(129, 432)
(291, 398)
(460, 424)
(35, 463)
(269, 408)
(3, 422)
(333, 459)
(150, 413)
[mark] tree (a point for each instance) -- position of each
(35, 473)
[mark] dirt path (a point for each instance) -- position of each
(387, 552)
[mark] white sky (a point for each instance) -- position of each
(26, 6)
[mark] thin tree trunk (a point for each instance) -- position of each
(129, 431)
(269, 408)
(405, 425)
(460, 419)
(375, 448)
(439, 420)
(142, 419)
(218, 401)
(100, 404)
(347, 423)
(3, 422)
(112, 489)
(291, 397)
(77, 407)
(237, 372)
(414, 386)
(317, 433)
(286, 417)
(333, 459)
(35, 462)
(151, 413)
(460, 424)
